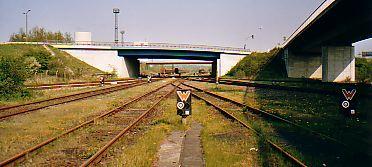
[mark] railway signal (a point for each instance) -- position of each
(348, 101)
(183, 103)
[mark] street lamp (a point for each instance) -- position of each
(122, 36)
(116, 11)
(25, 13)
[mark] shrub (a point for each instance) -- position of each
(42, 57)
(363, 69)
(259, 66)
(13, 73)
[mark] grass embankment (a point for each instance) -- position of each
(317, 112)
(260, 66)
(26, 130)
(270, 66)
(22, 64)
(68, 67)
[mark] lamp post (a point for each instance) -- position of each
(25, 13)
(116, 11)
(122, 36)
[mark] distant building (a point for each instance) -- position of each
(367, 54)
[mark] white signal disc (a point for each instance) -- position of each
(180, 105)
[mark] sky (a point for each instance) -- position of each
(208, 22)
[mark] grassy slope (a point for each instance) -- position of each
(77, 66)
(259, 66)
(269, 65)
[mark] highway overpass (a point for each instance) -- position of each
(322, 46)
(123, 57)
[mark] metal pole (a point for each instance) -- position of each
(116, 12)
(26, 13)
(116, 28)
(26, 26)
(122, 37)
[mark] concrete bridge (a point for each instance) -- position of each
(322, 46)
(123, 57)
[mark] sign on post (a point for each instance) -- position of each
(184, 102)
(348, 101)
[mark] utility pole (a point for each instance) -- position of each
(122, 36)
(116, 11)
(26, 13)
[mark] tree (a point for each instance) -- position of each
(13, 73)
(39, 34)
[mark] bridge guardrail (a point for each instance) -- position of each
(141, 45)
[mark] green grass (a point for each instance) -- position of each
(317, 112)
(25, 130)
(265, 65)
(79, 69)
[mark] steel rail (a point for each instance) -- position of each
(18, 156)
(272, 144)
(267, 114)
(322, 91)
(77, 84)
(97, 156)
(88, 94)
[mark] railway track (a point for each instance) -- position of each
(117, 121)
(229, 110)
(338, 152)
(276, 86)
(6, 112)
(80, 84)
(267, 115)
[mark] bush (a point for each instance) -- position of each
(267, 65)
(42, 57)
(13, 73)
(363, 69)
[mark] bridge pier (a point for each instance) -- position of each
(214, 69)
(303, 65)
(338, 63)
(131, 67)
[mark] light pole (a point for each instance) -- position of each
(122, 36)
(25, 13)
(116, 11)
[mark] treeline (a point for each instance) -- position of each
(39, 34)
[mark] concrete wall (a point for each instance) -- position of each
(338, 63)
(226, 62)
(108, 61)
(303, 66)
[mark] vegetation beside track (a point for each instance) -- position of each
(317, 112)
(260, 65)
(27, 130)
(270, 66)
(32, 64)
(140, 148)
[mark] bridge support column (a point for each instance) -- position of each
(303, 65)
(338, 63)
(131, 67)
(214, 69)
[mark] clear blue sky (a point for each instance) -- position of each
(210, 22)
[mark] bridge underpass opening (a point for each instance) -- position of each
(125, 61)
(176, 68)
(207, 62)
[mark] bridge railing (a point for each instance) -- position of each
(149, 45)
